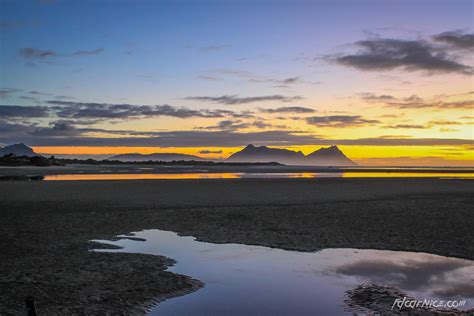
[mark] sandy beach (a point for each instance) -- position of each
(47, 228)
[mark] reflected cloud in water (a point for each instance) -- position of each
(243, 279)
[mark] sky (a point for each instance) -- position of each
(389, 82)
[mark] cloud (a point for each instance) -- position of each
(214, 48)
(254, 78)
(445, 130)
(86, 52)
(35, 53)
(457, 39)
(18, 111)
(234, 125)
(290, 80)
(340, 121)
(69, 109)
(31, 53)
(443, 122)
(289, 109)
(208, 152)
(416, 102)
(406, 126)
(367, 96)
(381, 54)
(165, 139)
(209, 78)
(31, 135)
(235, 99)
(67, 133)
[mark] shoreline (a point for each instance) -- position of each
(48, 227)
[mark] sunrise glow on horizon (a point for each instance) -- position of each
(389, 82)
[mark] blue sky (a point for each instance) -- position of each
(161, 45)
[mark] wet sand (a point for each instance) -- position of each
(46, 228)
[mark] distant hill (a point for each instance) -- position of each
(156, 157)
(18, 150)
(331, 156)
(252, 153)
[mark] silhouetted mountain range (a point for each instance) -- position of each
(156, 157)
(18, 150)
(331, 156)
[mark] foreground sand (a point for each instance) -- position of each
(46, 227)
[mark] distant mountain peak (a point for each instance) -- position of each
(19, 149)
(330, 156)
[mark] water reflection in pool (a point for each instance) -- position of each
(249, 280)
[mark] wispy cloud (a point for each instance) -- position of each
(416, 102)
(340, 121)
(235, 99)
(288, 109)
(406, 126)
(35, 53)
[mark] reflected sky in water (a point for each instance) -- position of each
(250, 280)
(237, 175)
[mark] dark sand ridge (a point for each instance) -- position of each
(46, 227)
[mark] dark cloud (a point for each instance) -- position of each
(13, 133)
(69, 109)
(166, 139)
(207, 152)
(35, 53)
(411, 55)
(457, 39)
(18, 111)
(290, 80)
(340, 121)
(289, 109)
(235, 99)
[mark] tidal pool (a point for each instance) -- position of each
(254, 280)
